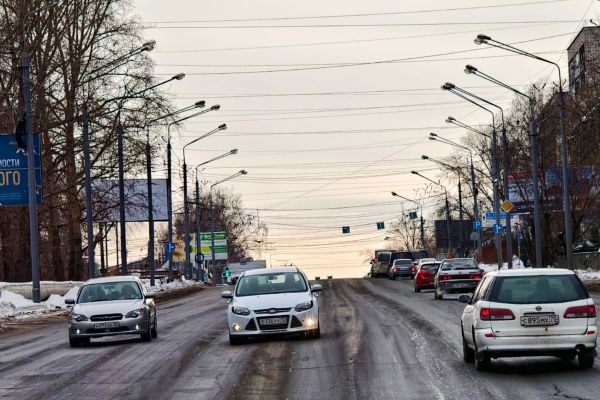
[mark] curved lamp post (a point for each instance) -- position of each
(422, 228)
(447, 205)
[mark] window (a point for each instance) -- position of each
(109, 291)
(459, 263)
(482, 289)
(538, 289)
(284, 282)
(433, 267)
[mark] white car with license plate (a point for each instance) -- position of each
(272, 301)
(529, 312)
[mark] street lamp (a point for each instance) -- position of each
(485, 39)
(452, 120)
(438, 138)
(537, 220)
(186, 212)
(151, 264)
(212, 212)
(422, 228)
(463, 94)
(169, 184)
(447, 205)
(198, 214)
(122, 221)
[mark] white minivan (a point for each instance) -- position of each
(529, 312)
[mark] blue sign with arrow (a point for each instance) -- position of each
(498, 228)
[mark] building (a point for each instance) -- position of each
(584, 56)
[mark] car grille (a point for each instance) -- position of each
(106, 317)
(272, 310)
(272, 327)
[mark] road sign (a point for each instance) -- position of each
(199, 258)
(345, 229)
(170, 247)
(507, 206)
(498, 228)
(380, 225)
(477, 225)
(474, 236)
(489, 219)
(13, 172)
(412, 215)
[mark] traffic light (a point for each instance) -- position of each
(345, 229)
(380, 225)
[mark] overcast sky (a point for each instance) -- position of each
(323, 139)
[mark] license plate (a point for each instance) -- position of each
(461, 285)
(539, 320)
(106, 325)
(273, 321)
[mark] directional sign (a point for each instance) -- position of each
(345, 229)
(497, 228)
(13, 172)
(489, 219)
(380, 225)
(412, 215)
(170, 247)
(477, 225)
(507, 206)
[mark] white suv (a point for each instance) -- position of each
(529, 312)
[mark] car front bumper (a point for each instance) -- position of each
(127, 326)
(518, 346)
(297, 322)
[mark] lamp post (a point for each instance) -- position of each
(447, 205)
(169, 185)
(452, 89)
(212, 212)
(506, 168)
(186, 212)
(438, 138)
(197, 206)
(460, 211)
(122, 220)
(484, 39)
(422, 228)
(537, 220)
(454, 121)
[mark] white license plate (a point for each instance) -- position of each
(539, 320)
(273, 321)
(106, 325)
(461, 285)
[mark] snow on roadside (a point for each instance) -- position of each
(588, 274)
(16, 306)
(517, 264)
(174, 286)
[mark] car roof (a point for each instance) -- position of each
(458, 259)
(532, 272)
(403, 259)
(109, 279)
(265, 271)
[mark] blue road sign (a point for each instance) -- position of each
(13, 172)
(170, 247)
(498, 228)
(490, 216)
(477, 225)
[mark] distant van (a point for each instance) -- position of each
(381, 264)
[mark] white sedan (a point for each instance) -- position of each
(529, 312)
(272, 301)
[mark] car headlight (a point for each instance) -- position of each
(240, 310)
(134, 313)
(78, 317)
(304, 306)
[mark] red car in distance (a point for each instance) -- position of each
(425, 274)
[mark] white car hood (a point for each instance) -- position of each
(108, 307)
(278, 300)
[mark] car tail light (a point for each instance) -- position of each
(393, 269)
(581, 312)
(444, 277)
(496, 314)
(413, 268)
(475, 276)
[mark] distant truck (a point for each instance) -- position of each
(384, 259)
(236, 269)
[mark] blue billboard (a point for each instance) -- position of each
(13, 171)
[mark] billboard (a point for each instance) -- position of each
(13, 171)
(205, 242)
(105, 200)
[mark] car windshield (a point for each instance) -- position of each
(384, 257)
(283, 282)
(459, 263)
(109, 291)
(537, 289)
(433, 267)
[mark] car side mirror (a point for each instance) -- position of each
(70, 301)
(227, 294)
(151, 296)
(316, 288)
(464, 298)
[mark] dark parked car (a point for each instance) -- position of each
(401, 267)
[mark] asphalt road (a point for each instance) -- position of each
(379, 341)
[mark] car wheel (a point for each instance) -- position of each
(585, 360)
(147, 336)
(417, 290)
(482, 360)
(154, 331)
(439, 294)
(235, 340)
(468, 353)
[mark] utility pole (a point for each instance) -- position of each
(124, 269)
(151, 265)
(199, 254)
(89, 217)
(460, 220)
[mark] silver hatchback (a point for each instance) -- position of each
(111, 306)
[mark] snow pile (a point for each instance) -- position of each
(588, 275)
(163, 287)
(16, 306)
(516, 264)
